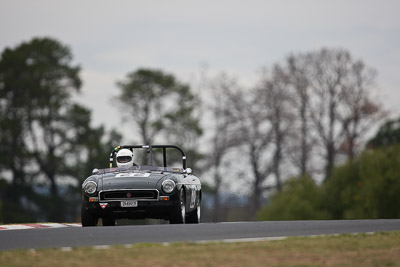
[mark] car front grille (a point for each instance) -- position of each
(129, 194)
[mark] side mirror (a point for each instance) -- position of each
(188, 170)
(95, 171)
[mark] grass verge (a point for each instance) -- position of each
(379, 249)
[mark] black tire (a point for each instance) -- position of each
(178, 213)
(108, 221)
(194, 216)
(88, 218)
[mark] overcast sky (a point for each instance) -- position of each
(111, 38)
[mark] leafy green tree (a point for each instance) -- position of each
(162, 109)
(36, 83)
(367, 188)
(39, 77)
(45, 137)
(13, 152)
(363, 188)
(299, 200)
(341, 192)
(89, 148)
(380, 188)
(12, 197)
(388, 134)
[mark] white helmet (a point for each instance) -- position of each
(124, 158)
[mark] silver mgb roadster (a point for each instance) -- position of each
(132, 191)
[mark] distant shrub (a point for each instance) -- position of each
(299, 200)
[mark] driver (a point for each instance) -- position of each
(124, 158)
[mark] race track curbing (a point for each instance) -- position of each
(37, 225)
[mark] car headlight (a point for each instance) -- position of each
(90, 187)
(168, 186)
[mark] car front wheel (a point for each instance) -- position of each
(194, 216)
(178, 213)
(88, 218)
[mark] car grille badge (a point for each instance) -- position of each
(128, 195)
(103, 205)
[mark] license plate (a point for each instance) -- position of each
(129, 203)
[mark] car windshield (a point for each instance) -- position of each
(152, 155)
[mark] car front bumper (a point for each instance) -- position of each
(145, 209)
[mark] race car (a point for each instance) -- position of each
(138, 191)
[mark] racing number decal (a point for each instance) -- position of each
(193, 196)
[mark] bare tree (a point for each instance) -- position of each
(297, 71)
(259, 122)
(330, 69)
(317, 102)
(275, 101)
(223, 138)
(340, 108)
(360, 111)
(256, 137)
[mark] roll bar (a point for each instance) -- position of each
(150, 151)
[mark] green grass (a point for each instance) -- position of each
(380, 249)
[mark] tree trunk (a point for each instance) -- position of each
(304, 145)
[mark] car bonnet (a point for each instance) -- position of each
(130, 180)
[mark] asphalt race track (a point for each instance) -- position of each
(122, 235)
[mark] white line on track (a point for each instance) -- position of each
(258, 239)
(101, 247)
(233, 240)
